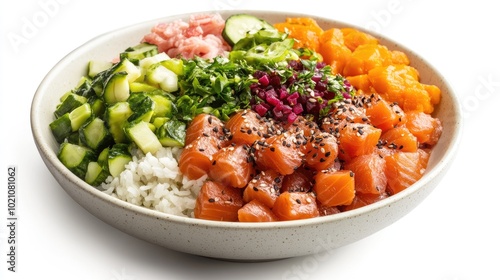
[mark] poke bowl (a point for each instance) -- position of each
(243, 241)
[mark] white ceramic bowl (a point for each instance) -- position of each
(224, 240)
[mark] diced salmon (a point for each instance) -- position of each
(280, 153)
(196, 158)
(384, 115)
(403, 169)
(327, 210)
(302, 124)
(320, 151)
(295, 206)
(426, 128)
(256, 211)
(218, 202)
(348, 110)
(246, 127)
(400, 138)
(369, 173)
(362, 199)
(334, 188)
(264, 187)
(299, 181)
(357, 139)
(204, 125)
(232, 166)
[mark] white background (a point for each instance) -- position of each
(452, 235)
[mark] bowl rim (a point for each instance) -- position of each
(50, 157)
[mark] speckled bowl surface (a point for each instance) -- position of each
(224, 240)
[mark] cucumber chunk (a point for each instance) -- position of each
(116, 116)
(239, 25)
(95, 134)
(76, 158)
(95, 174)
(143, 137)
(116, 88)
(118, 157)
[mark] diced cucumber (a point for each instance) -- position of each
(139, 52)
(158, 122)
(98, 107)
(159, 75)
(70, 122)
(95, 175)
(73, 138)
(76, 158)
(116, 88)
(80, 115)
(118, 157)
(163, 106)
(140, 133)
(95, 67)
(142, 106)
(239, 25)
(116, 116)
(136, 87)
(84, 87)
(70, 102)
(148, 61)
(95, 134)
(174, 64)
(102, 159)
(133, 72)
(172, 133)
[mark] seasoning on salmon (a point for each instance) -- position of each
(246, 127)
(218, 202)
(264, 187)
(369, 173)
(295, 206)
(196, 158)
(281, 153)
(204, 125)
(231, 166)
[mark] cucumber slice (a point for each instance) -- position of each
(116, 88)
(143, 137)
(118, 157)
(95, 135)
(116, 116)
(239, 25)
(95, 174)
(75, 158)
(95, 67)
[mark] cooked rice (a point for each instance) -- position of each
(155, 182)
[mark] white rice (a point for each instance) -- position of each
(155, 182)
